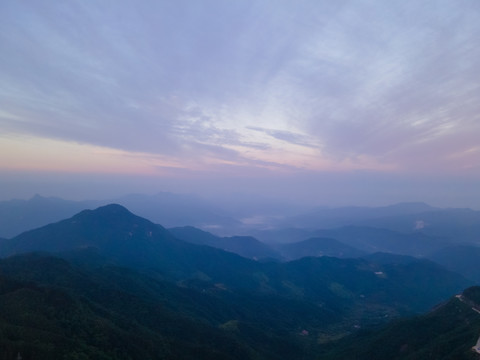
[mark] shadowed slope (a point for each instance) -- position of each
(449, 332)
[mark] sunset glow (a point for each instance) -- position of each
(257, 88)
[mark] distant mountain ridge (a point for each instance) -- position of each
(245, 246)
(352, 215)
(363, 238)
(370, 239)
(458, 225)
(125, 239)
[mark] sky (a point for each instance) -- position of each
(328, 102)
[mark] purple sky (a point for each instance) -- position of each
(327, 102)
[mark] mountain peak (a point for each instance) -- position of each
(110, 212)
(112, 209)
(111, 229)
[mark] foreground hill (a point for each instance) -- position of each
(50, 309)
(449, 332)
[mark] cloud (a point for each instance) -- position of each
(315, 82)
(287, 136)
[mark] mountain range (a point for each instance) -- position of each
(266, 222)
(104, 274)
(459, 225)
(121, 238)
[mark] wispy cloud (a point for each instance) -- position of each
(288, 136)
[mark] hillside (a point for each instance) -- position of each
(50, 309)
(448, 332)
(118, 313)
(125, 239)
